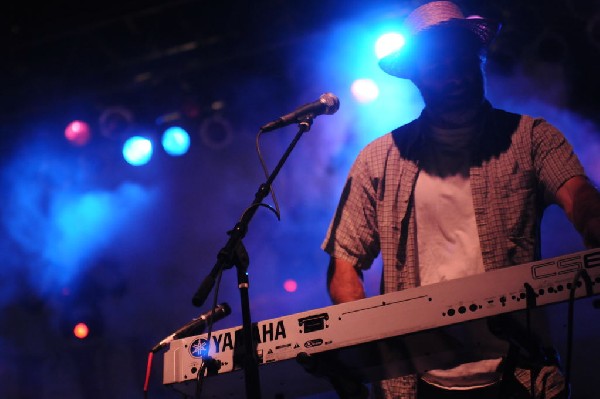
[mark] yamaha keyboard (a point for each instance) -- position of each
(359, 335)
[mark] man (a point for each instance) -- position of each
(456, 192)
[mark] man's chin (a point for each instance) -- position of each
(460, 105)
(454, 115)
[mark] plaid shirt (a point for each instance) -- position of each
(519, 165)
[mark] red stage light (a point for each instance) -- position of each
(290, 285)
(78, 133)
(81, 330)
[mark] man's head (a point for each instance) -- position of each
(449, 71)
(444, 56)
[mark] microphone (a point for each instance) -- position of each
(196, 326)
(327, 104)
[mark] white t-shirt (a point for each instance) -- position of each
(447, 239)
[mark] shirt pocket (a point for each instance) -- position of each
(517, 193)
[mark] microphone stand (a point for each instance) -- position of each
(234, 254)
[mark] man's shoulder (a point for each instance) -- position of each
(397, 138)
(520, 125)
(387, 151)
(506, 117)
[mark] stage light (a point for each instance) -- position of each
(388, 43)
(137, 150)
(290, 285)
(81, 330)
(78, 133)
(216, 132)
(114, 122)
(364, 90)
(176, 141)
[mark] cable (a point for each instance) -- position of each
(266, 170)
(148, 370)
(581, 273)
(205, 361)
(531, 303)
(269, 207)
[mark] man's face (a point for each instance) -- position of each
(450, 76)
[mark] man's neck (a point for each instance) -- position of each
(456, 118)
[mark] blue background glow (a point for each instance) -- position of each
(87, 235)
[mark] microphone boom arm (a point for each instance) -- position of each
(226, 256)
(234, 254)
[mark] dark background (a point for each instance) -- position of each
(87, 237)
(61, 54)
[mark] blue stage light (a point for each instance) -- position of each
(364, 90)
(388, 43)
(137, 150)
(176, 141)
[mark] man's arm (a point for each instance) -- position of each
(344, 281)
(581, 202)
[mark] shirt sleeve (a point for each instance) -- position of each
(353, 233)
(553, 157)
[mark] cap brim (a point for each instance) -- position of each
(399, 63)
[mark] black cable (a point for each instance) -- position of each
(269, 207)
(266, 170)
(581, 273)
(200, 374)
(531, 303)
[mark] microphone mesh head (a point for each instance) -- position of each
(331, 102)
(225, 308)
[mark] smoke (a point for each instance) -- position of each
(57, 216)
(64, 217)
